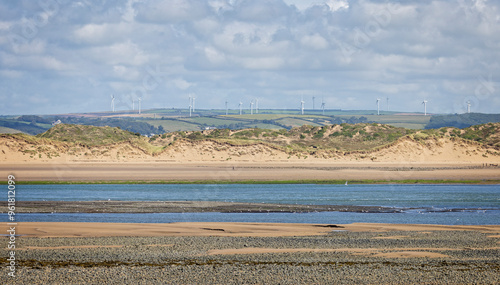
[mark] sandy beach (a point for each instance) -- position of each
(251, 253)
(266, 171)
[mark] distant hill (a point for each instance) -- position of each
(461, 120)
(22, 127)
(34, 125)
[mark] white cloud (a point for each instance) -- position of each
(171, 11)
(214, 56)
(336, 5)
(180, 83)
(123, 53)
(126, 73)
(270, 48)
(315, 41)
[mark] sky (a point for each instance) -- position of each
(62, 56)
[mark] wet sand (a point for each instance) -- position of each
(184, 207)
(71, 229)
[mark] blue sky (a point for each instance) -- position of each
(61, 56)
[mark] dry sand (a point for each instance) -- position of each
(161, 171)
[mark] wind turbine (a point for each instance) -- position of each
(302, 105)
(313, 102)
(133, 104)
(378, 106)
(251, 107)
(387, 104)
(468, 107)
(226, 108)
(256, 106)
(241, 104)
(140, 99)
(194, 98)
(113, 103)
(323, 106)
(425, 107)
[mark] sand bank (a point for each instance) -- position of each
(70, 229)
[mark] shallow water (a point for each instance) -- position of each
(428, 204)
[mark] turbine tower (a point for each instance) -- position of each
(133, 104)
(302, 106)
(140, 99)
(387, 104)
(468, 107)
(425, 107)
(251, 107)
(313, 102)
(378, 106)
(323, 106)
(256, 106)
(113, 103)
(194, 98)
(241, 104)
(190, 103)
(226, 108)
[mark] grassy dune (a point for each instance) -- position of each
(344, 137)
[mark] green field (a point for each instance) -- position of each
(404, 121)
(5, 130)
(211, 121)
(296, 122)
(271, 116)
(264, 120)
(174, 125)
(266, 126)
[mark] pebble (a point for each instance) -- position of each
(472, 258)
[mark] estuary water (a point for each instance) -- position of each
(423, 204)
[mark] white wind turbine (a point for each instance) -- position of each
(226, 108)
(323, 106)
(313, 102)
(113, 103)
(241, 104)
(140, 100)
(387, 104)
(425, 107)
(378, 106)
(302, 105)
(251, 107)
(468, 107)
(256, 106)
(133, 104)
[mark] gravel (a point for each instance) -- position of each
(471, 258)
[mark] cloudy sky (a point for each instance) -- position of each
(59, 56)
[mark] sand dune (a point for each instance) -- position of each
(405, 150)
(444, 158)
